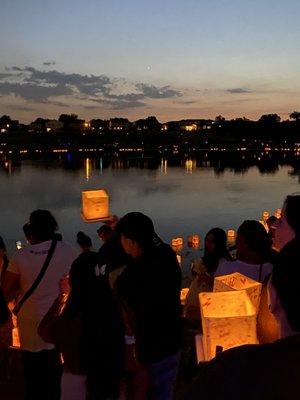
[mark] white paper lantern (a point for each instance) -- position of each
(228, 320)
(237, 281)
(95, 205)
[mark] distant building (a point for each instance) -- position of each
(119, 124)
(98, 125)
(53, 125)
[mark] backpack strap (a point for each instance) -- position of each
(38, 279)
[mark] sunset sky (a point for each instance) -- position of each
(133, 58)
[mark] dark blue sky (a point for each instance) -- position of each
(172, 58)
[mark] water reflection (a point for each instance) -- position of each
(184, 195)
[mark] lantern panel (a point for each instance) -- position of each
(237, 281)
(228, 320)
(95, 204)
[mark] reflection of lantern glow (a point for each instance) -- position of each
(95, 204)
(190, 165)
(228, 320)
(87, 169)
(164, 166)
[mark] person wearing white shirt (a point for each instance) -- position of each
(254, 253)
(41, 361)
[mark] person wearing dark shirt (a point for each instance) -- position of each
(150, 286)
(111, 254)
(270, 371)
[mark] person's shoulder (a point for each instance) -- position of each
(225, 267)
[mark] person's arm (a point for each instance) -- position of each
(10, 285)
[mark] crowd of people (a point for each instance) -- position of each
(109, 324)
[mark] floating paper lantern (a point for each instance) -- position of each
(177, 241)
(278, 213)
(228, 320)
(237, 281)
(95, 205)
(231, 236)
(265, 216)
(194, 241)
(183, 294)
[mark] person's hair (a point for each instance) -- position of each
(2, 244)
(211, 259)
(138, 227)
(42, 225)
(286, 280)
(257, 238)
(27, 230)
(83, 240)
(105, 229)
(292, 212)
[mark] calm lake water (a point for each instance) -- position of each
(183, 196)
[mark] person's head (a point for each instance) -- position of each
(84, 241)
(216, 242)
(284, 287)
(253, 242)
(105, 232)
(215, 248)
(113, 222)
(137, 233)
(288, 226)
(42, 226)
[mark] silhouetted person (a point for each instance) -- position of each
(84, 242)
(41, 361)
(288, 226)
(150, 288)
(253, 253)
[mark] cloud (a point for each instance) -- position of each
(154, 92)
(29, 91)
(49, 63)
(239, 90)
(37, 85)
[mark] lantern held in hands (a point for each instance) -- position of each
(237, 281)
(95, 205)
(228, 320)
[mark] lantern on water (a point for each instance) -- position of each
(278, 213)
(237, 281)
(183, 294)
(228, 320)
(231, 236)
(95, 205)
(178, 241)
(194, 241)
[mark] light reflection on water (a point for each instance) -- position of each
(183, 198)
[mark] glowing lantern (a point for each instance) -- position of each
(15, 338)
(183, 294)
(177, 242)
(231, 236)
(194, 241)
(95, 205)
(265, 217)
(228, 320)
(237, 281)
(278, 213)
